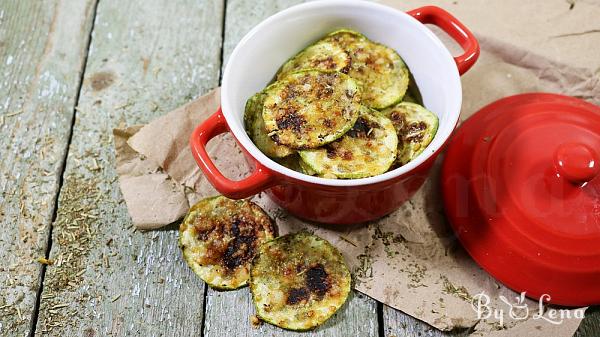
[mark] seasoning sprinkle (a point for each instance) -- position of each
(45, 261)
(348, 240)
(14, 113)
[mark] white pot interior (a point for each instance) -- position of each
(265, 48)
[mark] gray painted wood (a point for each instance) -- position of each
(590, 326)
(228, 313)
(146, 58)
(397, 324)
(243, 15)
(42, 50)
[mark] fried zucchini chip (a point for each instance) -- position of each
(413, 94)
(367, 149)
(311, 108)
(409, 98)
(292, 162)
(381, 72)
(298, 281)
(415, 126)
(344, 37)
(322, 55)
(306, 169)
(255, 127)
(219, 238)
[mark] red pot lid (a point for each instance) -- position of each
(521, 185)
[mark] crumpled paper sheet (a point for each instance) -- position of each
(410, 259)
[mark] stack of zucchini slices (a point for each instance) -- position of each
(298, 281)
(344, 107)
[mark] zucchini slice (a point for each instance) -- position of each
(368, 149)
(409, 98)
(380, 71)
(323, 55)
(298, 281)
(255, 127)
(415, 126)
(306, 169)
(311, 108)
(413, 94)
(292, 162)
(219, 238)
(344, 37)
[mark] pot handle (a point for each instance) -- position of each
(259, 180)
(449, 24)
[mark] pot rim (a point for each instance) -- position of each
(437, 143)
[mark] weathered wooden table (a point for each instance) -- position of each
(71, 71)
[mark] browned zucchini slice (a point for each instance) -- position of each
(415, 126)
(306, 169)
(311, 108)
(380, 71)
(298, 281)
(219, 238)
(344, 37)
(322, 55)
(255, 126)
(292, 162)
(367, 149)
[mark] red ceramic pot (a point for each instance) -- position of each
(261, 52)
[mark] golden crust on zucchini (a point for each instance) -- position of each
(311, 108)
(380, 71)
(255, 126)
(298, 281)
(344, 37)
(367, 149)
(326, 56)
(219, 238)
(415, 125)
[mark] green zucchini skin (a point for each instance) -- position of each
(413, 94)
(344, 37)
(368, 149)
(255, 127)
(219, 237)
(311, 108)
(382, 73)
(292, 162)
(298, 281)
(416, 127)
(323, 55)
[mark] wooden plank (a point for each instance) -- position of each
(590, 326)
(396, 324)
(228, 313)
(146, 58)
(42, 50)
(241, 16)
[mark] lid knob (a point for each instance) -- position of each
(577, 162)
